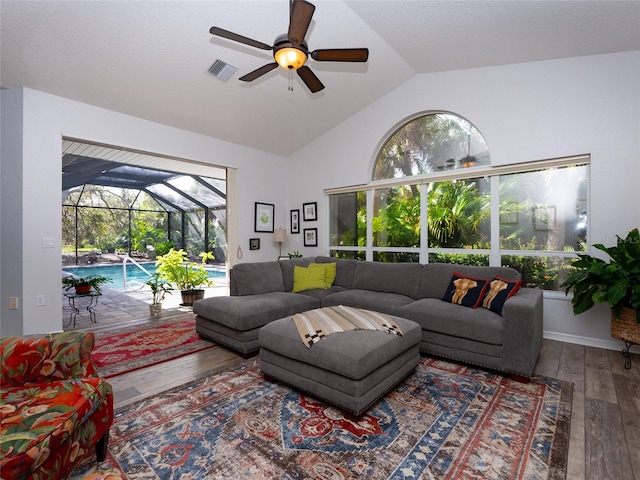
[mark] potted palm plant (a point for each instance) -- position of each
(616, 283)
(159, 289)
(83, 285)
(187, 276)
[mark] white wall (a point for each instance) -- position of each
(27, 268)
(526, 112)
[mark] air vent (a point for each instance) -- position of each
(222, 70)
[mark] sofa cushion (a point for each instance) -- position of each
(402, 278)
(436, 276)
(465, 291)
(434, 315)
(259, 277)
(345, 270)
(379, 301)
(308, 278)
(320, 293)
(249, 312)
(287, 269)
(499, 291)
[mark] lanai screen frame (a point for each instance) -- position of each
(82, 170)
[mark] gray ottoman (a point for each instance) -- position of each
(351, 370)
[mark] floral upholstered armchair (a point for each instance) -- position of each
(54, 409)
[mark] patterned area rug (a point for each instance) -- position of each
(444, 422)
(122, 350)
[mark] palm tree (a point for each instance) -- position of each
(455, 211)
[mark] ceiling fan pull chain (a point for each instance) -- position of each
(291, 80)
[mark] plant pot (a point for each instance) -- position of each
(82, 289)
(627, 327)
(155, 309)
(190, 296)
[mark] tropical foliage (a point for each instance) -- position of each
(616, 282)
(91, 281)
(176, 268)
(159, 288)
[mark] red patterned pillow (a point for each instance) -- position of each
(465, 291)
(498, 292)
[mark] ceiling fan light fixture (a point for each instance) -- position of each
(290, 58)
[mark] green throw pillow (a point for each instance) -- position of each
(308, 278)
(329, 273)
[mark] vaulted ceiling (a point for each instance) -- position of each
(150, 59)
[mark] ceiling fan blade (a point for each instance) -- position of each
(258, 72)
(238, 38)
(341, 55)
(310, 80)
(301, 13)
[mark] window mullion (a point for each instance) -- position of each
(369, 245)
(424, 226)
(494, 257)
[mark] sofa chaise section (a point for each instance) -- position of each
(258, 297)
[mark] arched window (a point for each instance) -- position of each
(431, 143)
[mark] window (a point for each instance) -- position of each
(532, 217)
(431, 143)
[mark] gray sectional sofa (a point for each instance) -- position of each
(262, 292)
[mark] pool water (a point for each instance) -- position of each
(135, 276)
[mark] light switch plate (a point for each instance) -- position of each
(48, 242)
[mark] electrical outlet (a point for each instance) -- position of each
(13, 303)
(39, 300)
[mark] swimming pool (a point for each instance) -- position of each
(135, 277)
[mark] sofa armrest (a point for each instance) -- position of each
(522, 341)
(46, 358)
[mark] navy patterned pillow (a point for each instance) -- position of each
(465, 291)
(498, 292)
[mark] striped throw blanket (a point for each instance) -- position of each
(315, 325)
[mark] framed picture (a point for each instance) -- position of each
(310, 237)
(295, 221)
(254, 244)
(510, 214)
(310, 211)
(264, 217)
(544, 218)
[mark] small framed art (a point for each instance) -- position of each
(544, 218)
(254, 244)
(310, 211)
(310, 237)
(295, 221)
(264, 217)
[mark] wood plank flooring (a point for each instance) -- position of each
(605, 420)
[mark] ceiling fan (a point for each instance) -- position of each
(290, 51)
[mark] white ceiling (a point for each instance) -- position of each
(150, 59)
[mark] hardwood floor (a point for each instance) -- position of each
(605, 420)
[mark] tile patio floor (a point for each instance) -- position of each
(116, 307)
